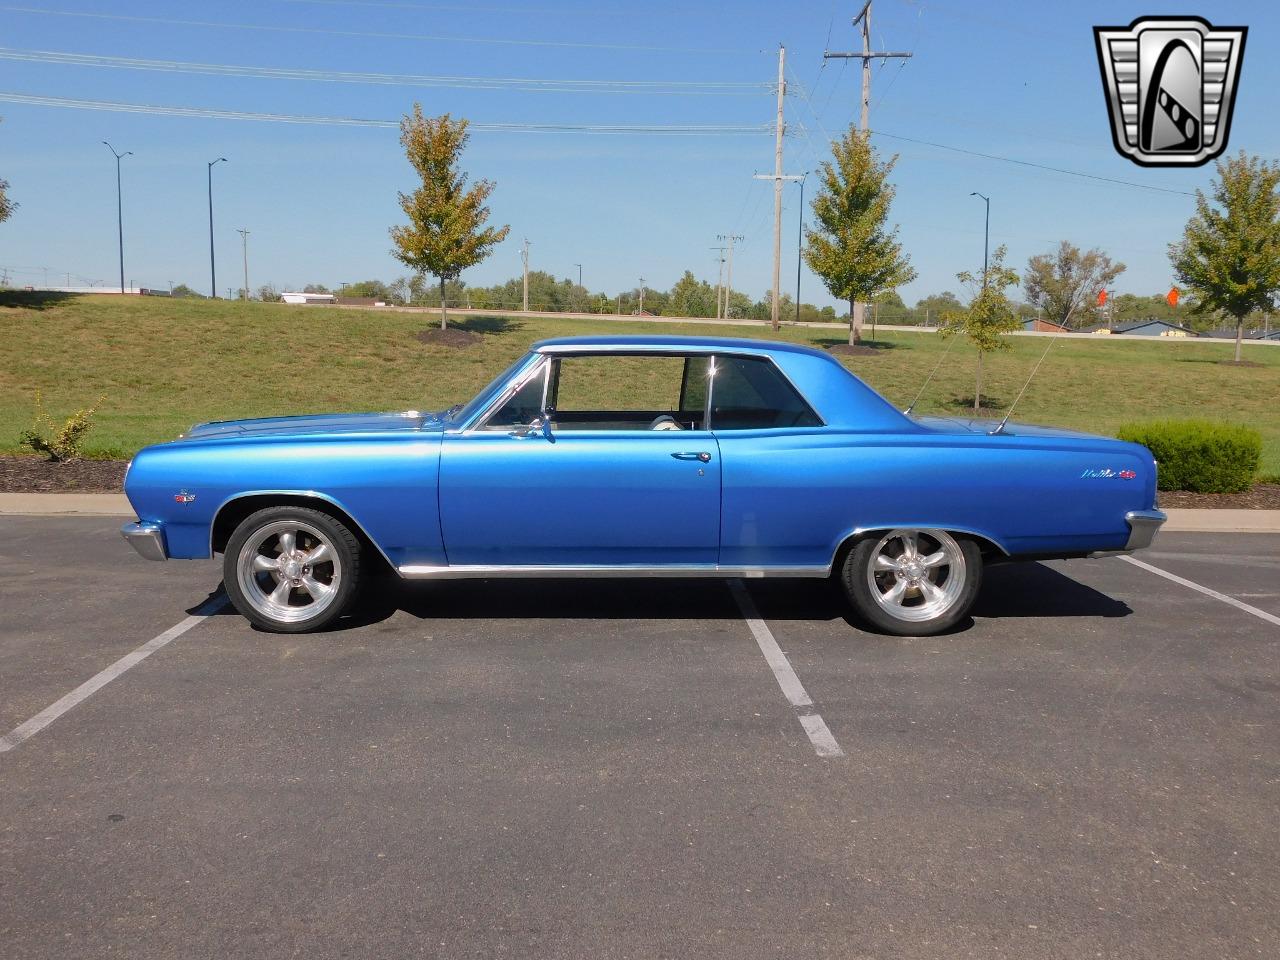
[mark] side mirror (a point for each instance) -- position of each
(538, 427)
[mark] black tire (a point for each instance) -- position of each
(857, 580)
(258, 537)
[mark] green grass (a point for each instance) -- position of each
(163, 365)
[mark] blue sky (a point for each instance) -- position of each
(1007, 78)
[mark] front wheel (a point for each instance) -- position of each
(913, 582)
(291, 569)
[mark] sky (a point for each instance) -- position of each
(1012, 79)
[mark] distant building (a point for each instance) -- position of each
(292, 297)
(1040, 325)
(1154, 328)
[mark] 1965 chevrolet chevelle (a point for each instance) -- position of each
(710, 457)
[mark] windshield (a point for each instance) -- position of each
(486, 396)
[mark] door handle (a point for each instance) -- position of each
(700, 455)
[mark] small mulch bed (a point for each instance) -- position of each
(853, 350)
(450, 337)
(36, 475)
(1263, 496)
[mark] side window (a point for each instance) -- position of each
(618, 391)
(750, 393)
(523, 406)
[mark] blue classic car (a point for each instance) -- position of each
(725, 458)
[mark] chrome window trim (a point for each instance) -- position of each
(548, 355)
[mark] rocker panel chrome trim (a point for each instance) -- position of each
(477, 571)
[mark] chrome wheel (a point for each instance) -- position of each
(916, 575)
(289, 571)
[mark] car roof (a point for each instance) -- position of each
(653, 343)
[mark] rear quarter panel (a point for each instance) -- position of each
(386, 483)
(793, 498)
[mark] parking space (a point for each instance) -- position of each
(611, 768)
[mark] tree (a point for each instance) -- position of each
(989, 316)
(691, 297)
(445, 234)
(1229, 254)
(182, 290)
(7, 206)
(1067, 279)
(851, 248)
(316, 288)
(267, 293)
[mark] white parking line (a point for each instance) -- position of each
(814, 726)
(95, 683)
(1239, 604)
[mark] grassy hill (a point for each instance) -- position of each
(162, 365)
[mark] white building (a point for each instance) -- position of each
(308, 298)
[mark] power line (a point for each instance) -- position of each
(689, 87)
(368, 34)
(1038, 166)
(112, 106)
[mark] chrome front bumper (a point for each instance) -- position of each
(1143, 527)
(147, 539)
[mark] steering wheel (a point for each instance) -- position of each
(665, 422)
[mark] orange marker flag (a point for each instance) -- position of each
(1102, 298)
(1172, 297)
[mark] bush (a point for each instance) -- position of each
(1200, 455)
(58, 443)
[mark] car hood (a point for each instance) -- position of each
(325, 423)
(984, 425)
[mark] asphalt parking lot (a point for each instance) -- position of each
(608, 769)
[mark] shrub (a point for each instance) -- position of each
(1200, 455)
(58, 443)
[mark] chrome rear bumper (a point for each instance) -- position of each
(147, 538)
(1143, 527)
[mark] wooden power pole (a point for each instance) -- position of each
(524, 256)
(244, 245)
(864, 122)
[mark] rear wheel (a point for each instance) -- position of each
(913, 582)
(291, 569)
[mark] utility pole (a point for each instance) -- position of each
(720, 279)
(575, 293)
(642, 296)
(119, 208)
(524, 256)
(728, 280)
(864, 123)
(244, 243)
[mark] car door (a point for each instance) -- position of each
(605, 483)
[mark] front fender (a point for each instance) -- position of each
(386, 484)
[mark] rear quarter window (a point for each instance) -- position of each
(750, 393)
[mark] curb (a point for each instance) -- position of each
(116, 505)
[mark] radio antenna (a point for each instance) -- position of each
(1034, 371)
(928, 379)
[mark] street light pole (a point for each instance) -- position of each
(575, 295)
(800, 243)
(213, 271)
(986, 235)
(119, 208)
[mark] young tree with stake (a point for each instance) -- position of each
(989, 316)
(1229, 254)
(446, 232)
(850, 247)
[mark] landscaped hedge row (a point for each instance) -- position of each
(1200, 455)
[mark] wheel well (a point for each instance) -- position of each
(988, 546)
(234, 512)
